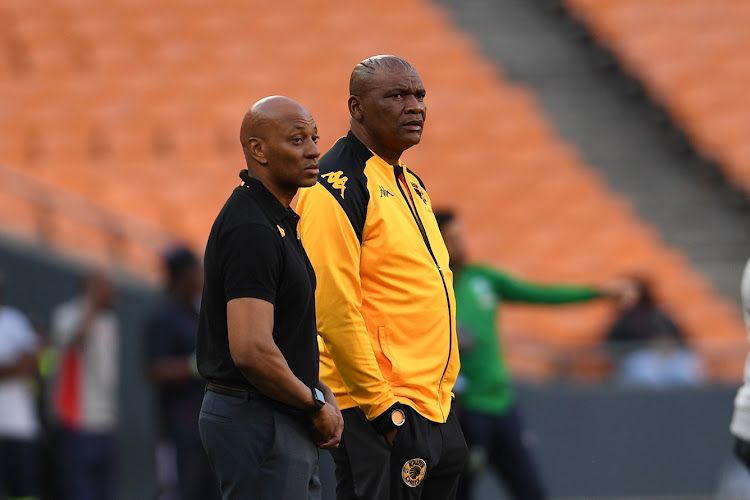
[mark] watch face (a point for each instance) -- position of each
(398, 418)
(319, 396)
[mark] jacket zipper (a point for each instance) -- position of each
(413, 209)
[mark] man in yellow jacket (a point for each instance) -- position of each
(385, 305)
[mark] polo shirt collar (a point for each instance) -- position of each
(269, 202)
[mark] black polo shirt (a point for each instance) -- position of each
(254, 251)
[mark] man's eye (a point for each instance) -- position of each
(397, 96)
(315, 139)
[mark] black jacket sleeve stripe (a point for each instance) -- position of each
(342, 173)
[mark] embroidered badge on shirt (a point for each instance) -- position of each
(337, 180)
(420, 193)
(413, 472)
(281, 230)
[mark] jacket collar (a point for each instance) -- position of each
(365, 153)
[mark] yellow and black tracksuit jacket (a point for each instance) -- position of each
(384, 303)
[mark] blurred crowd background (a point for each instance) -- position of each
(580, 141)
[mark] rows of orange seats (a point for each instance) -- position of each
(135, 105)
(692, 57)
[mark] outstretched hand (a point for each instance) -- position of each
(623, 290)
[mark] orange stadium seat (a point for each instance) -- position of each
(692, 57)
(136, 105)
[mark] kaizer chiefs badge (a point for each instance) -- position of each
(420, 193)
(414, 471)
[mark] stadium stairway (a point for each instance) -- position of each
(618, 132)
(134, 106)
(694, 65)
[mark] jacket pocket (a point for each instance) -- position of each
(390, 360)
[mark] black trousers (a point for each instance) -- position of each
(258, 451)
(425, 460)
(502, 439)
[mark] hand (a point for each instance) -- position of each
(327, 426)
(623, 290)
(742, 451)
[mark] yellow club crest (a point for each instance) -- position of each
(413, 472)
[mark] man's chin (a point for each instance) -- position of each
(409, 142)
(308, 182)
(413, 139)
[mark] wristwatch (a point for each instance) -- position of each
(318, 401)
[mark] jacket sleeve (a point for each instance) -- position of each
(740, 425)
(514, 289)
(328, 233)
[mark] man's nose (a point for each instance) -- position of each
(414, 105)
(313, 151)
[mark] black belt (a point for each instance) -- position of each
(248, 392)
(231, 390)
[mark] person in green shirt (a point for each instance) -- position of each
(489, 413)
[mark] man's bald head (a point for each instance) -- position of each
(280, 141)
(362, 75)
(264, 113)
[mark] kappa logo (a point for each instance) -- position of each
(413, 472)
(384, 193)
(420, 193)
(337, 180)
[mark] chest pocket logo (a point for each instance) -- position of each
(337, 180)
(281, 230)
(384, 193)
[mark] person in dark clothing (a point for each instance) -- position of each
(171, 333)
(639, 321)
(647, 347)
(265, 411)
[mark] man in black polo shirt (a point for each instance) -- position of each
(265, 410)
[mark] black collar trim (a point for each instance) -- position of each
(269, 202)
(358, 146)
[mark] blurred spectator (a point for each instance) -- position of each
(639, 320)
(663, 361)
(740, 425)
(489, 416)
(646, 344)
(86, 334)
(19, 424)
(171, 334)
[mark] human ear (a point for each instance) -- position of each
(255, 147)
(355, 107)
